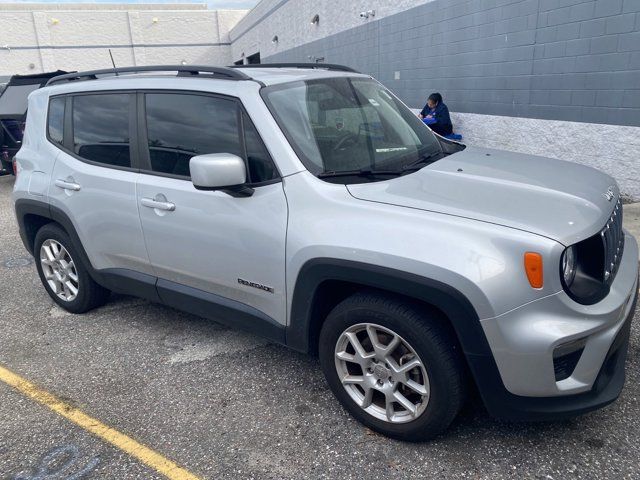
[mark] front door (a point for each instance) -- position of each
(209, 241)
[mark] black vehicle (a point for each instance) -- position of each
(13, 113)
(10, 140)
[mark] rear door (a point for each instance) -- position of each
(94, 179)
(209, 241)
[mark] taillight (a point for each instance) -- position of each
(15, 167)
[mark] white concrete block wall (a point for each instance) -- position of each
(87, 58)
(291, 22)
(191, 55)
(47, 37)
(613, 149)
(179, 27)
(227, 19)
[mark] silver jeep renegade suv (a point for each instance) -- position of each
(310, 206)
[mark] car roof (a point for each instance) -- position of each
(274, 76)
(156, 76)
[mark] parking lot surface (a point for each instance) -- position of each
(225, 404)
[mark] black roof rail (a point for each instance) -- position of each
(182, 70)
(315, 66)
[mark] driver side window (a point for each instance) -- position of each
(181, 126)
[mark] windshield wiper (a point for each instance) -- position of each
(363, 172)
(368, 172)
(421, 162)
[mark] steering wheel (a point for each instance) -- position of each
(346, 138)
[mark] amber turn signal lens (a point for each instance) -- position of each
(533, 267)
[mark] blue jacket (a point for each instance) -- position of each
(441, 113)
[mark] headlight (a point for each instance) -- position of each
(569, 265)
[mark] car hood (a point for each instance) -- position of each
(560, 200)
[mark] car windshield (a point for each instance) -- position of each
(350, 126)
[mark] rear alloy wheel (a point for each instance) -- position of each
(394, 365)
(59, 270)
(63, 272)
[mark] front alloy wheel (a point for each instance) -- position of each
(394, 364)
(382, 373)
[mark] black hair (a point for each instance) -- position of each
(435, 97)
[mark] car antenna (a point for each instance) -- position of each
(113, 63)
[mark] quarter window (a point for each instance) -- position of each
(261, 167)
(101, 128)
(55, 122)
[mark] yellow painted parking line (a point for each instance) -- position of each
(119, 440)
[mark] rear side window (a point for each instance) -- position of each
(101, 128)
(55, 122)
(181, 126)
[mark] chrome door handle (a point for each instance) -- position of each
(151, 203)
(65, 185)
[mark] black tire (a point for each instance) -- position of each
(7, 167)
(90, 295)
(432, 342)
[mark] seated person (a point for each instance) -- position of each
(436, 109)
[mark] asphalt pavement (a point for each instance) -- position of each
(223, 404)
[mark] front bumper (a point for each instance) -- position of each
(523, 341)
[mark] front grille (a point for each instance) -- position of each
(613, 241)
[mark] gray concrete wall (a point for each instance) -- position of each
(558, 78)
(570, 60)
(290, 20)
